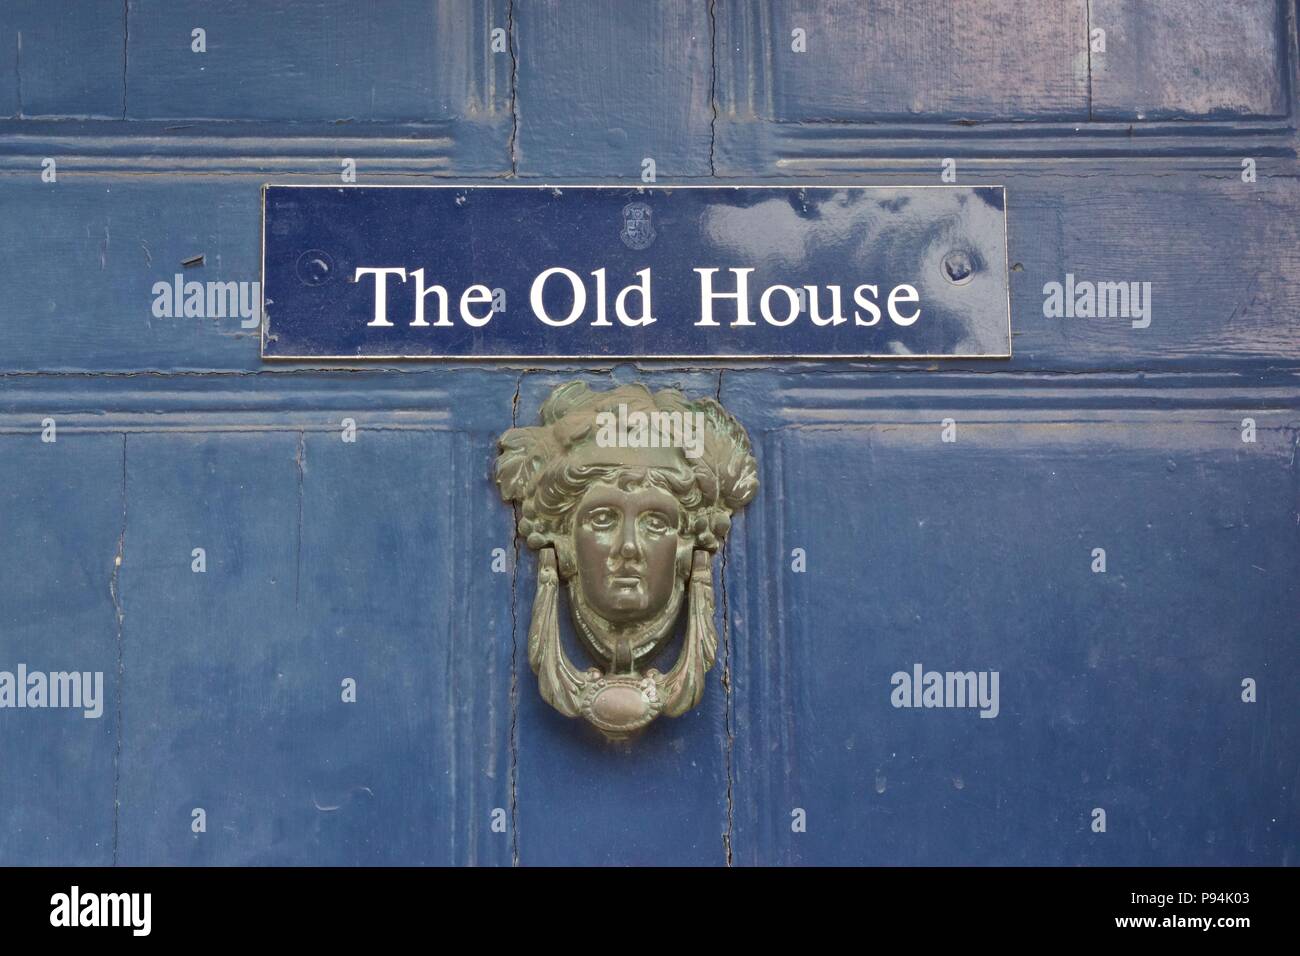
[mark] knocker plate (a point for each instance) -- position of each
(626, 496)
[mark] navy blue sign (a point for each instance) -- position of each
(493, 272)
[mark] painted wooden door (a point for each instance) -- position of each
(302, 590)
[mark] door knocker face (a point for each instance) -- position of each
(625, 495)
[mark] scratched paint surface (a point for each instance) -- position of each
(389, 560)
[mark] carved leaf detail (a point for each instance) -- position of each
(560, 683)
(683, 686)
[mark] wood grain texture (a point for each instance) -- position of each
(892, 59)
(82, 284)
(1230, 288)
(602, 87)
(62, 60)
(1214, 58)
(327, 60)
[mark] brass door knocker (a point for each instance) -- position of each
(626, 496)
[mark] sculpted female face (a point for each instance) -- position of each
(625, 543)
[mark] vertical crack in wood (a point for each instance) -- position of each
(713, 95)
(514, 656)
(1087, 46)
(449, 663)
(730, 741)
(514, 90)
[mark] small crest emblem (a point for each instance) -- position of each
(638, 228)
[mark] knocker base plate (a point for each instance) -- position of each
(620, 705)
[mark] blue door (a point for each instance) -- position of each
(295, 601)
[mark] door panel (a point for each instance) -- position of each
(896, 60)
(62, 530)
(130, 237)
(325, 60)
(642, 91)
(1118, 690)
(1190, 61)
(62, 60)
(206, 713)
